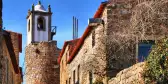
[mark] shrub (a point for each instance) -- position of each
(156, 70)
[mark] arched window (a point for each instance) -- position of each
(29, 26)
(41, 23)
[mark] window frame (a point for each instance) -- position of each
(143, 43)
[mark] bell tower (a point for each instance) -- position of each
(41, 52)
(39, 24)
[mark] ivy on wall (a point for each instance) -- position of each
(156, 70)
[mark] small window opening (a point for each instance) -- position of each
(74, 76)
(69, 80)
(78, 74)
(29, 26)
(93, 38)
(40, 24)
(90, 77)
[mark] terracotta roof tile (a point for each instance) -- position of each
(86, 33)
(72, 44)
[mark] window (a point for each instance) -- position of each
(74, 76)
(78, 73)
(29, 26)
(66, 57)
(0, 73)
(41, 23)
(7, 71)
(144, 48)
(90, 77)
(66, 82)
(62, 70)
(69, 80)
(93, 38)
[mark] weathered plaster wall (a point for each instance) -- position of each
(131, 75)
(41, 63)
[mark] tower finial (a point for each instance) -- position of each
(32, 7)
(49, 8)
(39, 2)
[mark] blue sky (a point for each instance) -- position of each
(15, 12)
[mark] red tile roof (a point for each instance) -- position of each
(72, 44)
(81, 40)
(86, 33)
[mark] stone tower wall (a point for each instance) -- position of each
(41, 63)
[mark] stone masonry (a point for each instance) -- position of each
(132, 75)
(0, 41)
(41, 63)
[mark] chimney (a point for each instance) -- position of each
(75, 28)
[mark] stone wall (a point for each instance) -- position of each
(132, 75)
(91, 59)
(9, 76)
(0, 57)
(41, 63)
(121, 48)
(15, 42)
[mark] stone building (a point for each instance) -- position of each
(10, 47)
(108, 45)
(76, 64)
(66, 51)
(41, 50)
(0, 37)
(10, 72)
